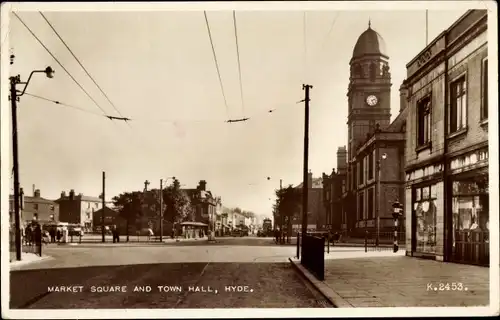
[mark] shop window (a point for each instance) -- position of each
(458, 105)
(424, 121)
(425, 211)
(470, 206)
(484, 90)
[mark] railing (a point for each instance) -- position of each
(313, 254)
(472, 247)
(132, 238)
(384, 241)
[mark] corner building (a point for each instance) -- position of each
(446, 196)
(375, 159)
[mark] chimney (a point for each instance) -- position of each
(203, 185)
(341, 159)
(36, 194)
(403, 96)
(71, 194)
(63, 194)
(309, 179)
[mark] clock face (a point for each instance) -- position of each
(372, 100)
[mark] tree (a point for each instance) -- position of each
(129, 205)
(237, 210)
(178, 206)
(288, 202)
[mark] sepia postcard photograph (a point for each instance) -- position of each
(249, 159)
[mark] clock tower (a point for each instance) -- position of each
(369, 91)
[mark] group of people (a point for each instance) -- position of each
(33, 234)
(55, 235)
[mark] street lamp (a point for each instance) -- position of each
(382, 157)
(396, 214)
(14, 98)
(161, 207)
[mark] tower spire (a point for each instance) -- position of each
(369, 23)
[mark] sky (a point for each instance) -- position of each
(158, 69)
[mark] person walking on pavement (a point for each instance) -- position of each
(38, 237)
(52, 233)
(114, 232)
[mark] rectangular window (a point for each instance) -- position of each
(370, 165)
(425, 211)
(424, 121)
(35, 206)
(484, 90)
(354, 179)
(458, 105)
(370, 203)
(470, 207)
(361, 171)
(361, 212)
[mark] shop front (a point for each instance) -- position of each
(428, 218)
(470, 218)
(425, 212)
(459, 233)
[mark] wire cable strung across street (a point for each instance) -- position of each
(174, 121)
(216, 62)
(239, 64)
(57, 60)
(81, 65)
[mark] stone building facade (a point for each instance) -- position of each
(375, 160)
(447, 198)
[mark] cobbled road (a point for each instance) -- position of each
(233, 273)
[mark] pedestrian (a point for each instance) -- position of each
(117, 232)
(38, 235)
(114, 233)
(52, 233)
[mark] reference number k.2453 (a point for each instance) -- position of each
(446, 286)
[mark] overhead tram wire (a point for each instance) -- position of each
(64, 104)
(216, 63)
(171, 121)
(239, 63)
(58, 62)
(81, 65)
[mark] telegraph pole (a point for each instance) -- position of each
(305, 187)
(103, 206)
(282, 218)
(161, 210)
(17, 217)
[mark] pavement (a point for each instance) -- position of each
(28, 258)
(385, 279)
(232, 273)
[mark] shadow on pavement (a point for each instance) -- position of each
(183, 285)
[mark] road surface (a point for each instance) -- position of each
(233, 273)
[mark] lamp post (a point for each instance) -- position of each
(383, 157)
(14, 98)
(161, 207)
(396, 214)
